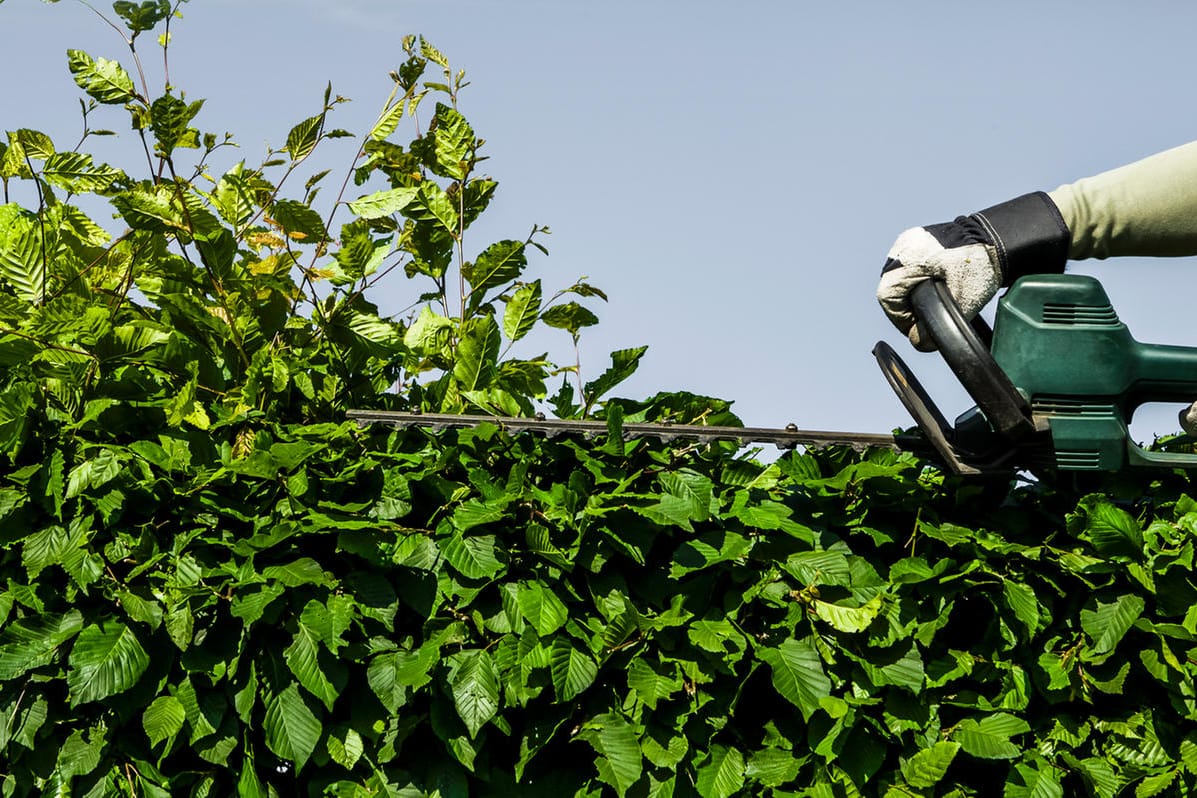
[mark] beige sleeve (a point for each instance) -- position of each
(1147, 208)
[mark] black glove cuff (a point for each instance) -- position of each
(1029, 233)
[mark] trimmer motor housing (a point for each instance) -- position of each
(1056, 381)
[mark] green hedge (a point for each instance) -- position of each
(401, 613)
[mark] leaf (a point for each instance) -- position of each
(437, 206)
(163, 719)
(106, 659)
(387, 122)
(624, 363)
(304, 571)
(104, 80)
(346, 750)
(477, 353)
(1022, 602)
(75, 172)
(990, 737)
(302, 658)
(1109, 622)
(292, 730)
(849, 619)
(1113, 531)
(569, 316)
(475, 686)
(539, 606)
(453, 143)
(522, 310)
(723, 774)
(1039, 781)
(303, 137)
(649, 684)
(475, 556)
(31, 642)
(154, 210)
(772, 767)
(169, 120)
(383, 203)
(1156, 784)
(572, 670)
(927, 767)
(144, 16)
(499, 264)
(618, 759)
(299, 221)
(798, 673)
(22, 262)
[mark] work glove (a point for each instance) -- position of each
(974, 255)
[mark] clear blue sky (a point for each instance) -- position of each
(732, 174)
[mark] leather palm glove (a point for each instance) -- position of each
(975, 255)
(1147, 208)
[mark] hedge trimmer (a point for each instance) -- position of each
(1056, 380)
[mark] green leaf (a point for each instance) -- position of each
(437, 206)
(1113, 531)
(723, 774)
(477, 353)
(31, 642)
(22, 262)
(499, 264)
(473, 556)
(387, 122)
(163, 719)
(773, 767)
(1109, 622)
(1021, 600)
(475, 685)
(927, 767)
(1038, 781)
(144, 16)
(153, 210)
(299, 222)
(304, 571)
(104, 80)
(106, 659)
(539, 606)
(624, 363)
(169, 120)
(522, 310)
(383, 203)
(572, 670)
(303, 137)
(618, 758)
(569, 316)
(1156, 784)
(75, 172)
(345, 749)
(849, 619)
(990, 737)
(302, 658)
(798, 673)
(649, 684)
(453, 143)
(292, 730)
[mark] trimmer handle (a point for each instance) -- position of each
(1006, 410)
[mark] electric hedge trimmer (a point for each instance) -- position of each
(1055, 381)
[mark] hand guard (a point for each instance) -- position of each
(975, 255)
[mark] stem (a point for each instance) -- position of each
(41, 223)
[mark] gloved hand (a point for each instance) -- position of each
(975, 255)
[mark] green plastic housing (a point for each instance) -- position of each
(1059, 340)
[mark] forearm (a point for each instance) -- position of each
(1146, 208)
